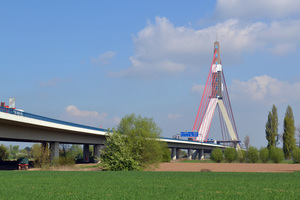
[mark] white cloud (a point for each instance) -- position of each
(266, 89)
(255, 9)
(74, 111)
(104, 59)
(163, 49)
(91, 117)
(173, 116)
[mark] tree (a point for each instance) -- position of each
(252, 154)
(136, 142)
(13, 151)
(241, 155)
(3, 152)
(264, 154)
(276, 154)
(41, 154)
(289, 141)
(217, 155)
(247, 141)
(296, 155)
(272, 128)
(230, 154)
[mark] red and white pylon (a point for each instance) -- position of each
(215, 96)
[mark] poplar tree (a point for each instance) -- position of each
(289, 141)
(272, 128)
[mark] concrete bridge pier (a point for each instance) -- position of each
(174, 153)
(189, 154)
(97, 148)
(201, 154)
(86, 153)
(54, 148)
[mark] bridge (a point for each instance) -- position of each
(16, 125)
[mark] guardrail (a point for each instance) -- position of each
(32, 116)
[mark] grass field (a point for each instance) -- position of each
(148, 185)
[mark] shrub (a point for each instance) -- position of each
(166, 157)
(134, 146)
(296, 155)
(276, 154)
(3, 152)
(241, 155)
(230, 154)
(217, 155)
(252, 154)
(264, 154)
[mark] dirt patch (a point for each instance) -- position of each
(228, 167)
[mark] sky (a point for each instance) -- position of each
(94, 62)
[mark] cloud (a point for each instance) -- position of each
(103, 59)
(161, 49)
(90, 117)
(74, 111)
(256, 9)
(173, 116)
(266, 89)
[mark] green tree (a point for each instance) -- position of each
(276, 154)
(217, 155)
(252, 154)
(241, 155)
(296, 155)
(289, 141)
(13, 151)
(264, 154)
(41, 155)
(272, 128)
(230, 154)
(3, 152)
(136, 142)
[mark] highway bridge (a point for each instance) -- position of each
(16, 125)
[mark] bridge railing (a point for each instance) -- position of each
(33, 116)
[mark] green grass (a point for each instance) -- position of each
(148, 185)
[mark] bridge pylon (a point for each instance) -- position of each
(215, 96)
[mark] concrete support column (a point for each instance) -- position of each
(189, 154)
(177, 153)
(173, 154)
(86, 153)
(97, 148)
(44, 146)
(201, 154)
(54, 147)
(194, 154)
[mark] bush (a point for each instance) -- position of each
(217, 155)
(241, 155)
(230, 154)
(296, 155)
(276, 154)
(252, 154)
(134, 146)
(166, 157)
(264, 154)
(3, 152)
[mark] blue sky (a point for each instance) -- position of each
(94, 62)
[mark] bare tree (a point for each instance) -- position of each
(247, 141)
